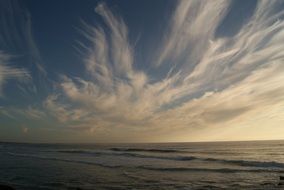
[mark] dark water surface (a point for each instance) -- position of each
(219, 165)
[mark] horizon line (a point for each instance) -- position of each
(178, 142)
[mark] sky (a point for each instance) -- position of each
(141, 71)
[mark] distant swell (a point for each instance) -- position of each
(80, 152)
(176, 169)
(131, 153)
(248, 163)
(219, 170)
(145, 150)
(74, 151)
(190, 158)
(60, 159)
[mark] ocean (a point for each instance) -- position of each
(214, 165)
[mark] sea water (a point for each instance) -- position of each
(215, 165)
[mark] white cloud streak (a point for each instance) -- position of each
(16, 39)
(211, 81)
(8, 72)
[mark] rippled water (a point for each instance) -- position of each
(222, 165)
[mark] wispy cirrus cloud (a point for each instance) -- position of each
(210, 81)
(202, 86)
(29, 112)
(9, 72)
(17, 43)
(23, 78)
(16, 34)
